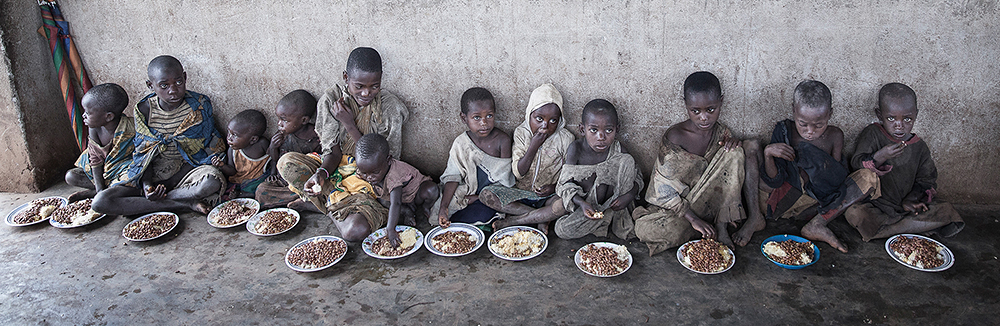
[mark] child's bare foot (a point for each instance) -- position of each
(201, 207)
(742, 237)
(722, 235)
(544, 227)
(815, 230)
(82, 194)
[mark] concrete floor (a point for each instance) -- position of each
(199, 274)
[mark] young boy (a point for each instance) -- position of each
(248, 162)
(296, 133)
(343, 115)
(109, 147)
(478, 158)
(906, 171)
(400, 187)
(803, 165)
(696, 185)
(599, 180)
(538, 154)
(174, 143)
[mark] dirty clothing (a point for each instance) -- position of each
(473, 169)
(344, 196)
(249, 172)
(201, 173)
(403, 175)
(618, 171)
(299, 145)
(385, 116)
(115, 157)
(911, 171)
(277, 194)
(709, 185)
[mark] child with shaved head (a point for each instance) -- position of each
(247, 163)
(803, 165)
(109, 146)
(906, 171)
(296, 134)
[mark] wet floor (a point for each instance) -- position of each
(198, 274)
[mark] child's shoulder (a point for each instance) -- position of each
(573, 151)
(835, 133)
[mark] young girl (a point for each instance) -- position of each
(478, 157)
(540, 144)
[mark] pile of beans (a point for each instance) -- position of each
(794, 249)
(65, 214)
(706, 256)
(275, 222)
(453, 242)
(317, 253)
(31, 213)
(232, 213)
(927, 252)
(150, 227)
(602, 261)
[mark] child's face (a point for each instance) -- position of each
(810, 122)
(600, 131)
(168, 84)
(703, 109)
(363, 85)
(239, 136)
(93, 115)
(373, 169)
(545, 119)
(897, 117)
(290, 119)
(480, 118)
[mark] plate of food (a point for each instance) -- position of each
(76, 214)
(150, 226)
(458, 239)
(35, 211)
(706, 256)
(316, 253)
(919, 252)
(789, 251)
(603, 259)
(274, 221)
(233, 213)
(517, 243)
(377, 244)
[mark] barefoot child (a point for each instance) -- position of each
(906, 171)
(696, 185)
(803, 165)
(247, 162)
(400, 187)
(538, 153)
(599, 180)
(343, 115)
(296, 133)
(109, 147)
(478, 157)
(174, 143)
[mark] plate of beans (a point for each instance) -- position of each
(150, 226)
(458, 239)
(274, 221)
(316, 253)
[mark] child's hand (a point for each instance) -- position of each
(471, 198)
(539, 137)
(443, 218)
(621, 202)
(729, 143)
(706, 230)
(276, 141)
(589, 211)
(393, 237)
(155, 193)
(219, 160)
(914, 206)
(341, 112)
(545, 190)
(315, 182)
(780, 150)
(889, 151)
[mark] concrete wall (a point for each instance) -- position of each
(36, 144)
(247, 54)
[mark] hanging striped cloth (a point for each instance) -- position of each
(65, 57)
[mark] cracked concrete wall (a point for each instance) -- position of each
(247, 54)
(37, 145)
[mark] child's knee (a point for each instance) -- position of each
(355, 230)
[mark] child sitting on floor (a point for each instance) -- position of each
(804, 165)
(906, 171)
(539, 151)
(400, 187)
(109, 146)
(599, 180)
(478, 157)
(247, 162)
(296, 133)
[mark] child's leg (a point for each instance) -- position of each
(493, 201)
(426, 197)
(751, 183)
(124, 200)
(354, 227)
(77, 178)
(552, 210)
(859, 185)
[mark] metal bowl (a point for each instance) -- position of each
(579, 263)
(949, 258)
(473, 232)
(176, 221)
(10, 216)
(70, 226)
(303, 242)
(252, 222)
(513, 229)
(249, 202)
(680, 259)
(366, 245)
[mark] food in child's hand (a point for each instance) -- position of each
(790, 252)
(75, 214)
(384, 248)
(604, 261)
(232, 213)
(453, 242)
(274, 222)
(918, 252)
(317, 253)
(706, 256)
(598, 215)
(518, 244)
(150, 227)
(316, 188)
(37, 210)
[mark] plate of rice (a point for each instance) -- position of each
(233, 213)
(75, 214)
(919, 252)
(518, 243)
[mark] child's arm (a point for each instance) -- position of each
(225, 163)
(395, 197)
(622, 201)
(346, 118)
(98, 172)
(535, 142)
(838, 143)
(449, 191)
(330, 163)
(274, 149)
(582, 203)
(924, 182)
(151, 191)
(706, 230)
